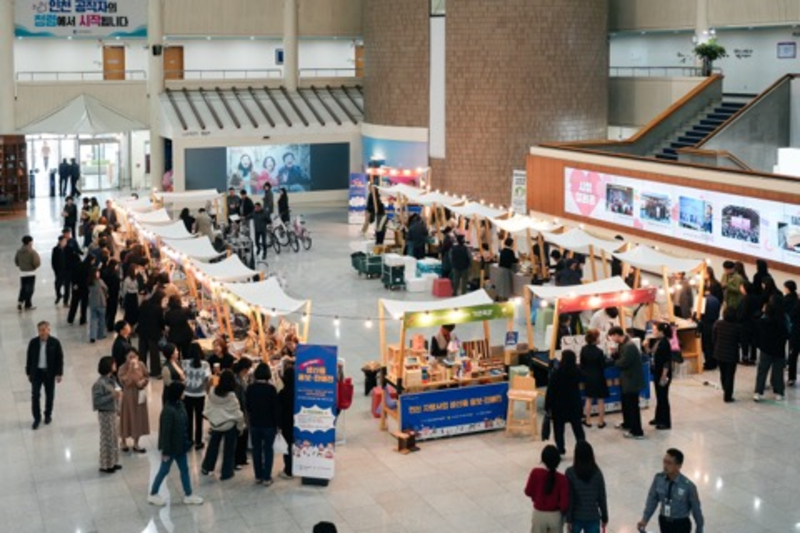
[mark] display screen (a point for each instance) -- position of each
(281, 165)
(759, 228)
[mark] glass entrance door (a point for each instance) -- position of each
(100, 160)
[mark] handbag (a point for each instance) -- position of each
(279, 445)
(546, 425)
(142, 399)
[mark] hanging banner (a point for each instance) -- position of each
(475, 313)
(357, 204)
(611, 299)
(314, 419)
(519, 191)
(81, 18)
(449, 412)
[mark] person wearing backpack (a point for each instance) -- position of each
(662, 375)
(588, 504)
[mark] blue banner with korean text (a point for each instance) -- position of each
(449, 412)
(81, 18)
(314, 419)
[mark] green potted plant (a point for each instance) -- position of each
(709, 52)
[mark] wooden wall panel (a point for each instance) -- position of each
(750, 13)
(331, 18)
(546, 195)
(233, 18)
(627, 15)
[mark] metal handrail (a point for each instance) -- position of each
(328, 72)
(227, 74)
(78, 75)
(646, 72)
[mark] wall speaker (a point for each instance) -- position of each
(157, 49)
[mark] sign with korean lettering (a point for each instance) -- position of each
(81, 18)
(449, 412)
(314, 412)
(475, 313)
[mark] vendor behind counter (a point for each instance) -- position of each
(440, 341)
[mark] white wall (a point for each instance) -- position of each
(139, 179)
(750, 74)
(61, 55)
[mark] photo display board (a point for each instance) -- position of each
(751, 226)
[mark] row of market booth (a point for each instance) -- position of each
(230, 297)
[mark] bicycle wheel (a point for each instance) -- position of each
(294, 242)
(272, 242)
(307, 241)
(282, 236)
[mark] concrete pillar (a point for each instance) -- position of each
(7, 75)
(291, 60)
(701, 28)
(155, 86)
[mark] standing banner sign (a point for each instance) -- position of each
(314, 418)
(519, 191)
(81, 18)
(357, 209)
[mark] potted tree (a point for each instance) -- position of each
(709, 52)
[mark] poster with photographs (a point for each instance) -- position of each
(280, 165)
(759, 228)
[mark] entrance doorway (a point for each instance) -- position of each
(173, 63)
(114, 63)
(100, 163)
(45, 153)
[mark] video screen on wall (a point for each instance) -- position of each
(760, 228)
(280, 165)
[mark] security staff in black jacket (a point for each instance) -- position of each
(44, 366)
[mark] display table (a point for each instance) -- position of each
(614, 400)
(691, 345)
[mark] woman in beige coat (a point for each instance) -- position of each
(134, 422)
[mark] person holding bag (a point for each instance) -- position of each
(662, 374)
(134, 422)
(548, 489)
(563, 400)
(227, 421)
(105, 395)
(261, 400)
(588, 504)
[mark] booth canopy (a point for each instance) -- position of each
(551, 292)
(159, 216)
(647, 258)
(401, 189)
(437, 198)
(397, 308)
(476, 209)
(199, 248)
(86, 115)
(135, 204)
(188, 197)
(577, 240)
(176, 230)
(230, 269)
(266, 294)
(521, 223)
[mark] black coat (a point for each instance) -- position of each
(772, 336)
(54, 354)
(593, 367)
(726, 338)
(662, 358)
(563, 399)
(151, 320)
(180, 331)
(120, 350)
(286, 405)
(460, 258)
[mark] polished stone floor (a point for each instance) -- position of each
(742, 455)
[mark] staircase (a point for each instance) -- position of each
(706, 122)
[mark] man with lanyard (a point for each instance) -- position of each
(44, 366)
(677, 496)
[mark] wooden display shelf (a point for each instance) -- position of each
(13, 171)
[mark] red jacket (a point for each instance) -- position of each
(557, 500)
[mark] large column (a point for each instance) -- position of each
(155, 86)
(291, 60)
(7, 75)
(701, 29)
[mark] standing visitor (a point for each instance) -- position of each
(629, 360)
(448, 240)
(74, 177)
(369, 209)
(106, 395)
(176, 319)
(713, 285)
(791, 305)
(505, 278)
(260, 222)
(283, 205)
(187, 219)
(710, 316)
(563, 400)
(130, 296)
(27, 261)
(676, 495)
(226, 420)
(134, 422)
(70, 215)
(748, 312)
(593, 367)
(98, 297)
(761, 275)
(286, 415)
(151, 331)
(63, 177)
(460, 262)
(110, 214)
(203, 224)
(232, 203)
(548, 489)
(110, 276)
(731, 283)
(685, 306)
(173, 446)
(726, 338)
(588, 505)
(246, 206)
(172, 370)
(261, 400)
(269, 198)
(241, 370)
(197, 373)
(44, 366)
(80, 289)
(59, 261)
(662, 375)
(772, 336)
(122, 344)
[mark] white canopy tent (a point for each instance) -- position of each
(199, 196)
(159, 216)
(437, 198)
(578, 241)
(197, 248)
(401, 189)
(531, 228)
(551, 292)
(229, 270)
(397, 308)
(84, 115)
(138, 205)
(475, 209)
(174, 231)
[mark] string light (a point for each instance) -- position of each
(368, 324)
(336, 322)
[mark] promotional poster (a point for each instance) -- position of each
(280, 165)
(357, 204)
(760, 228)
(314, 419)
(80, 18)
(519, 191)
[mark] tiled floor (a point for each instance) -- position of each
(742, 456)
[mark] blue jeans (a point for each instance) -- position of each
(586, 526)
(262, 439)
(166, 465)
(228, 454)
(97, 323)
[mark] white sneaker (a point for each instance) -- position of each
(758, 397)
(779, 397)
(155, 499)
(193, 500)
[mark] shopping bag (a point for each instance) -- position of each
(279, 446)
(546, 424)
(142, 396)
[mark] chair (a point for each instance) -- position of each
(522, 390)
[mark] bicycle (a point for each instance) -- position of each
(279, 230)
(300, 232)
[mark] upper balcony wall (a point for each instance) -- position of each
(738, 13)
(635, 101)
(643, 15)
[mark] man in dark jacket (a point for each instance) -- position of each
(247, 206)
(725, 339)
(44, 366)
(260, 223)
(63, 177)
(709, 318)
(110, 214)
(58, 260)
(460, 261)
(70, 215)
(232, 202)
(74, 176)
(628, 359)
(150, 331)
